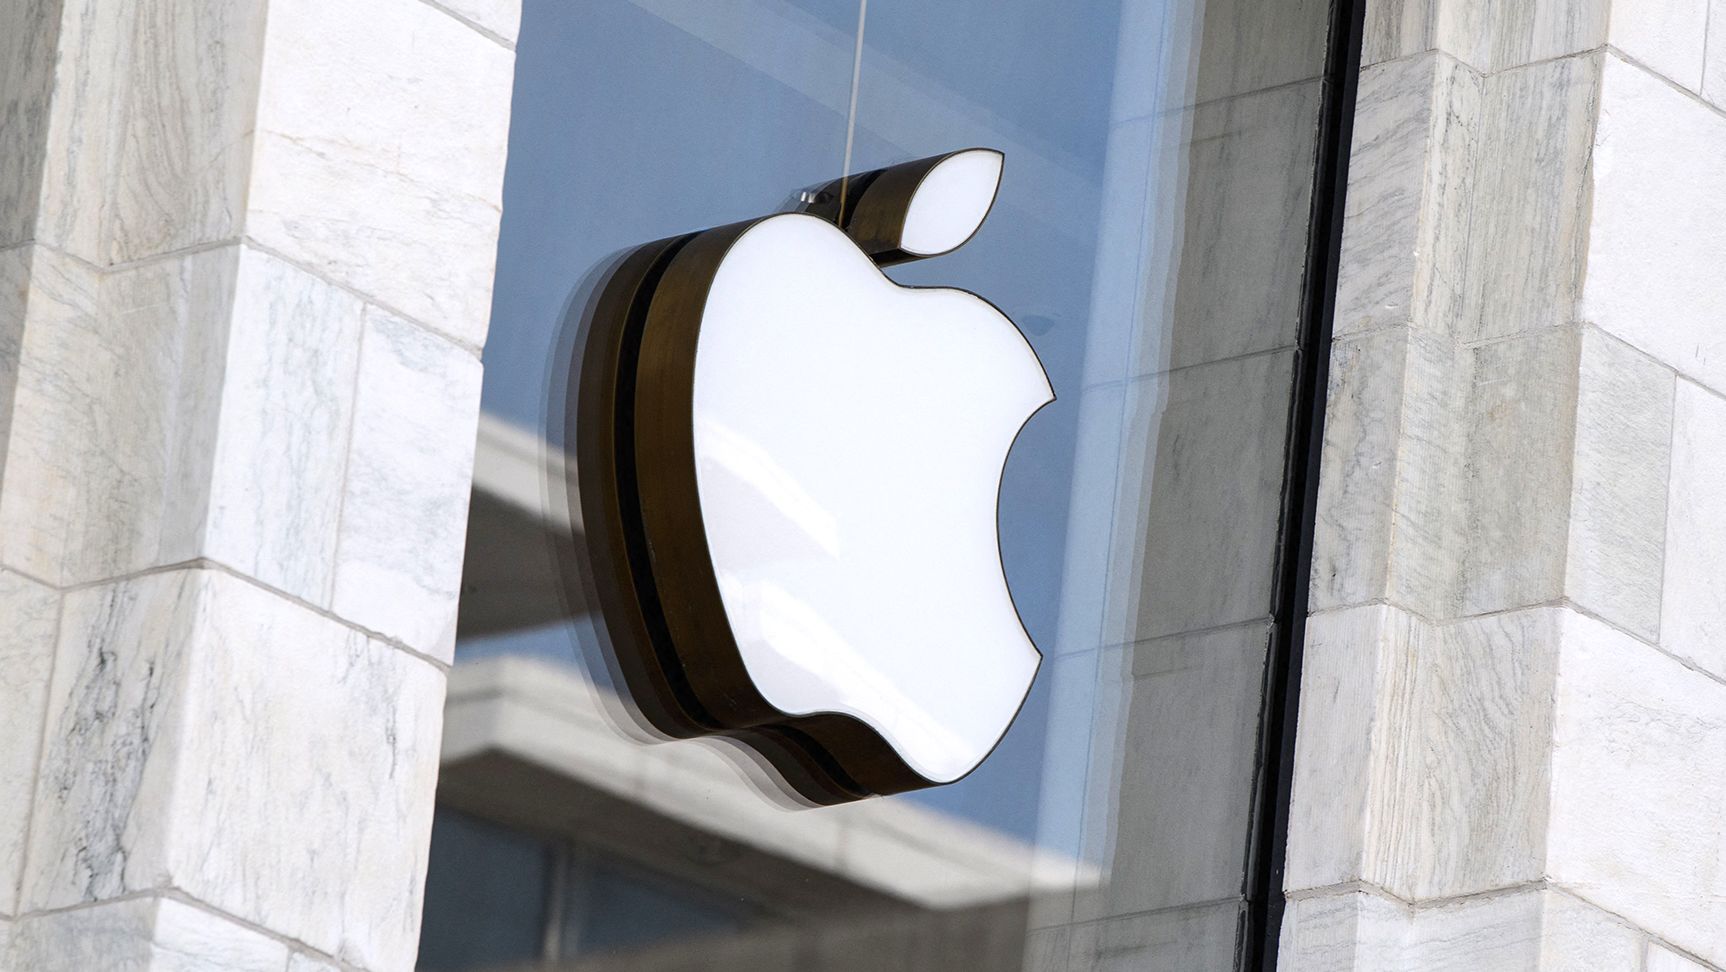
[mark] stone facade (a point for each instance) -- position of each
(247, 253)
(1512, 744)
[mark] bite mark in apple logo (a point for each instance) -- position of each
(789, 471)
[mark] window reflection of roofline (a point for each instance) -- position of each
(530, 743)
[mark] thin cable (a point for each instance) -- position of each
(851, 113)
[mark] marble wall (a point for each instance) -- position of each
(247, 253)
(1512, 744)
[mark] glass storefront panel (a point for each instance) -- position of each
(1149, 239)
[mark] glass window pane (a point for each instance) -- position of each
(485, 895)
(1149, 240)
(614, 906)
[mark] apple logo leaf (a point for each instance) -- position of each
(949, 205)
(913, 210)
(790, 468)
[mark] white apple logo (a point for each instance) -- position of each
(846, 437)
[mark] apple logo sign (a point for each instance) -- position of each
(789, 471)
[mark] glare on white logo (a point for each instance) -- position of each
(794, 466)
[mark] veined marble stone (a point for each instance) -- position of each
(1411, 176)
(1393, 473)
(266, 485)
(1539, 930)
(168, 682)
(148, 934)
(1714, 67)
(1487, 36)
(202, 215)
(1658, 235)
(148, 154)
(31, 614)
(381, 128)
(499, 17)
(1421, 757)
(1528, 228)
(409, 472)
(1693, 622)
(98, 431)
(1670, 36)
(1518, 461)
(1618, 508)
(29, 35)
(193, 406)
(1638, 780)
(1662, 959)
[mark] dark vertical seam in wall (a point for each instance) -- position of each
(1269, 838)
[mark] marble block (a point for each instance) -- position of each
(1528, 32)
(1657, 239)
(1349, 931)
(1693, 618)
(381, 134)
(147, 934)
(1337, 785)
(1411, 183)
(30, 614)
(1519, 463)
(1459, 483)
(325, 742)
(301, 962)
(1669, 36)
(1395, 29)
(261, 483)
(1538, 930)
(1465, 747)
(1714, 67)
(1463, 936)
(1421, 754)
(194, 406)
(409, 473)
(1391, 477)
(1618, 493)
(1381, 256)
(1638, 780)
(1662, 959)
(104, 425)
(1529, 226)
(1485, 35)
(29, 37)
(149, 139)
(1575, 936)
